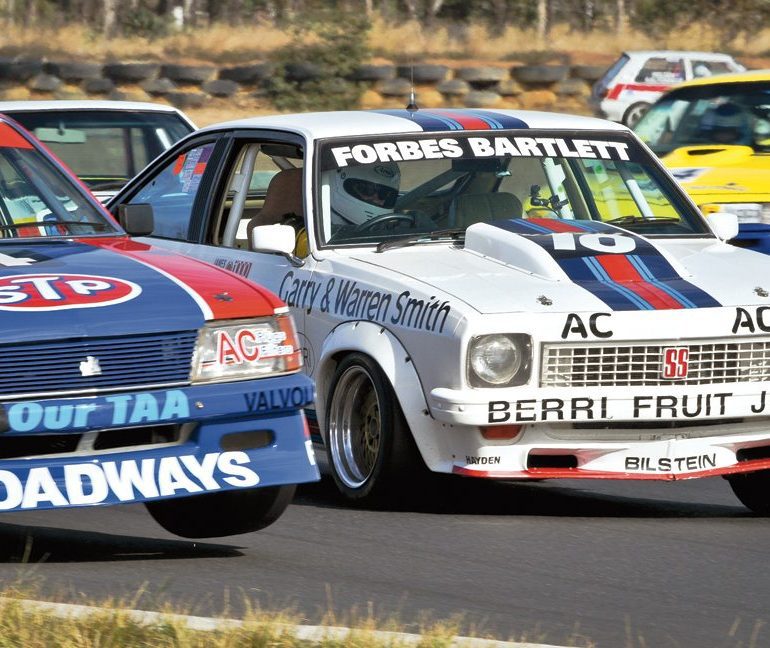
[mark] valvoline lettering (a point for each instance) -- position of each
(279, 399)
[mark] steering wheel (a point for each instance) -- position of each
(372, 223)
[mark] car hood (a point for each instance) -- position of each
(728, 173)
(59, 289)
(509, 266)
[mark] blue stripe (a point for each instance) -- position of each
(691, 296)
(436, 120)
(603, 277)
(500, 120)
(519, 225)
(425, 120)
(644, 271)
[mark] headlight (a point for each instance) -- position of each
(746, 212)
(246, 349)
(499, 360)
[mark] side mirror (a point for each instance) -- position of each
(724, 225)
(275, 239)
(136, 219)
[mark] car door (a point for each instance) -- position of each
(204, 208)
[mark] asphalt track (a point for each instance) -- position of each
(620, 564)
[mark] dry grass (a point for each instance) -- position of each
(114, 625)
(223, 44)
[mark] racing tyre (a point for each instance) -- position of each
(371, 452)
(753, 489)
(222, 514)
(634, 113)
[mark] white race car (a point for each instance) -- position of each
(506, 295)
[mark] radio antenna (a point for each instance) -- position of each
(412, 105)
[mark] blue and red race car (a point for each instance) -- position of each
(131, 374)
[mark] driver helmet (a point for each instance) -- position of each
(360, 193)
(726, 124)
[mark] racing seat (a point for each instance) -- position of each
(483, 207)
(283, 202)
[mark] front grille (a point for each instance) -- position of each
(639, 365)
(116, 362)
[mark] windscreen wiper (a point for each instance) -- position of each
(633, 218)
(99, 227)
(454, 234)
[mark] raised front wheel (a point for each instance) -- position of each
(222, 514)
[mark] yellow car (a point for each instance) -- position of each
(713, 134)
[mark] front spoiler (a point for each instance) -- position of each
(576, 473)
(246, 434)
(685, 454)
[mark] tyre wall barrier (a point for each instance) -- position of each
(560, 88)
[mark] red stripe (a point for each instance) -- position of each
(616, 90)
(556, 225)
(577, 473)
(470, 122)
(621, 270)
(246, 299)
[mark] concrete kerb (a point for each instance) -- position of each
(208, 624)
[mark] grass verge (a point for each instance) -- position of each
(115, 624)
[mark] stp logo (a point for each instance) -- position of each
(46, 292)
(675, 362)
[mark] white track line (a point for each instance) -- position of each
(208, 624)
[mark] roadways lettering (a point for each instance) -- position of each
(124, 481)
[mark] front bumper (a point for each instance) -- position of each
(663, 433)
(621, 452)
(224, 436)
(669, 403)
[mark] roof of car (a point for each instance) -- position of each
(374, 122)
(84, 104)
(691, 53)
(731, 77)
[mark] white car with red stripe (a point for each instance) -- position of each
(637, 79)
(494, 294)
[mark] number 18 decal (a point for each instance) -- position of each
(605, 243)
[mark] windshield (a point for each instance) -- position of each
(727, 113)
(39, 200)
(376, 190)
(104, 147)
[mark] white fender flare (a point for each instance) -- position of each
(385, 348)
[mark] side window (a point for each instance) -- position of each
(707, 68)
(658, 70)
(264, 188)
(173, 190)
